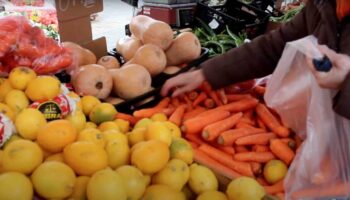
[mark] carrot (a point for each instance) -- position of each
(209, 103)
(260, 148)
(275, 188)
(201, 158)
(212, 131)
(259, 90)
(195, 125)
(163, 103)
(200, 98)
(246, 120)
(232, 89)
(194, 145)
(192, 95)
(206, 87)
(280, 195)
(270, 121)
(250, 115)
(282, 150)
(215, 97)
(237, 97)
(256, 167)
(193, 113)
(261, 124)
(241, 149)
(147, 112)
(261, 157)
(290, 142)
(227, 149)
(168, 111)
(131, 119)
(241, 124)
(261, 139)
(188, 103)
(262, 181)
(298, 140)
(328, 190)
(177, 115)
(195, 139)
(175, 102)
(240, 106)
(327, 170)
(222, 95)
(226, 159)
(229, 137)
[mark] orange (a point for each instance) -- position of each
(85, 158)
(110, 125)
(55, 135)
(92, 135)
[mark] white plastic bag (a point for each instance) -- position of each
(321, 169)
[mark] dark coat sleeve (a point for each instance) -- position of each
(342, 100)
(258, 58)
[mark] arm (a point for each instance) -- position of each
(342, 100)
(258, 58)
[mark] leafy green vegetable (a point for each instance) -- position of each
(288, 15)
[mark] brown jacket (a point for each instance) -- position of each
(260, 57)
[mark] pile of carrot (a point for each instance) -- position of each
(232, 132)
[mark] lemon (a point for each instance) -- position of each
(11, 139)
(110, 125)
(16, 100)
(89, 102)
(135, 182)
(55, 157)
(28, 122)
(118, 153)
(162, 192)
(107, 185)
(115, 135)
(202, 179)
(15, 186)
(143, 123)
(92, 135)
(182, 150)
(5, 88)
(158, 131)
(274, 171)
(102, 112)
(175, 174)
(22, 156)
(43, 88)
(79, 191)
(124, 126)
(6, 110)
(244, 188)
(20, 77)
(160, 117)
(136, 136)
(90, 125)
(211, 195)
(174, 129)
(77, 119)
(53, 180)
(1, 161)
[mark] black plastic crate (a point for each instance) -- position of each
(131, 2)
(261, 4)
(158, 81)
(236, 15)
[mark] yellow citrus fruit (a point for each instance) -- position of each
(53, 180)
(158, 131)
(28, 122)
(160, 117)
(22, 156)
(114, 135)
(143, 123)
(2, 80)
(92, 135)
(161, 192)
(5, 88)
(15, 186)
(175, 174)
(85, 157)
(19, 77)
(202, 179)
(79, 191)
(150, 156)
(1, 160)
(12, 138)
(6, 110)
(124, 126)
(89, 102)
(110, 125)
(43, 88)
(55, 157)
(118, 153)
(90, 125)
(174, 129)
(55, 135)
(182, 150)
(107, 185)
(17, 100)
(102, 112)
(244, 188)
(274, 171)
(77, 119)
(136, 136)
(135, 182)
(45, 152)
(211, 195)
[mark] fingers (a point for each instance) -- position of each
(332, 55)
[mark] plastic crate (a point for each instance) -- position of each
(158, 81)
(170, 1)
(236, 15)
(131, 2)
(262, 4)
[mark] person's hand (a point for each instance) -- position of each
(337, 75)
(183, 83)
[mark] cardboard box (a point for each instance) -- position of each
(75, 24)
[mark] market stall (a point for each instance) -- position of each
(80, 121)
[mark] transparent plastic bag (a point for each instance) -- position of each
(25, 45)
(321, 169)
